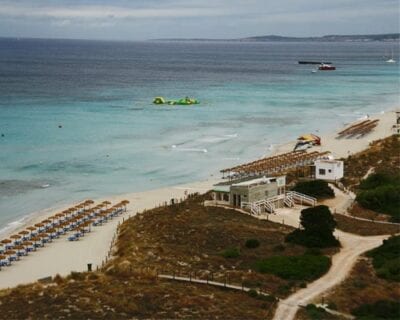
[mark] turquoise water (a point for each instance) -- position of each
(113, 140)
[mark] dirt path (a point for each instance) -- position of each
(342, 262)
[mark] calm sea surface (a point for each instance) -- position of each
(77, 117)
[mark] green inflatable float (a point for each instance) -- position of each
(181, 102)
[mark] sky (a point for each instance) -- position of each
(216, 19)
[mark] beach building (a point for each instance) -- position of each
(249, 191)
(258, 196)
(329, 169)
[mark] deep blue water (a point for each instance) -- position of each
(114, 140)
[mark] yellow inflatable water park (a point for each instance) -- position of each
(181, 102)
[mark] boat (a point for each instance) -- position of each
(313, 62)
(391, 60)
(307, 141)
(181, 102)
(326, 67)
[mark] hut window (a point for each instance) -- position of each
(322, 172)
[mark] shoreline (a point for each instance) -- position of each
(327, 138)
(62, 256)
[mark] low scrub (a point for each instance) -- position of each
(386, 259)
(382, 309)
(252, 243)
(315, 188)
(231, 253)
(303, 268)
(382, 195)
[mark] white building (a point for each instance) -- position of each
(329, 169)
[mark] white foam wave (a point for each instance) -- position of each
(190, 149)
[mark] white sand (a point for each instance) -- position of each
(341, 148)
(62, 257)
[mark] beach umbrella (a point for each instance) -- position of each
(31, 228)
(27, 243)
(39, 225)
(5, 241)
(23, 232)
(15, 236)
(106, 203)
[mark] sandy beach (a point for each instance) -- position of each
(62, 257)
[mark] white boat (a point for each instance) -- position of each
(391, 60)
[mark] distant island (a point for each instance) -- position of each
(327, 38)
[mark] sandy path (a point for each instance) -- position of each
(342, 262)
(62, 256)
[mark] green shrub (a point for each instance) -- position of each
(231, 253)
(253, 293)
(252, 243)
(386, 259)
(381, 192)
(319, 189)
(318, 224)
(304, 267)
(382, 309)
(315, 313)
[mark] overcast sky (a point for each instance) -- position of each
(150, 19)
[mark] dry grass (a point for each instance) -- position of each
(364, 228)
(99, 296)
(190, 238)
(361, 287)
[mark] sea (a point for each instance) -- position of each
(77, 119)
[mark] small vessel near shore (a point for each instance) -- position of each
(313, 62)
(181, 102)
(326, 67)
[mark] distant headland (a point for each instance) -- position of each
(327, 38)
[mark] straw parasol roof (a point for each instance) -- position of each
(19, 248)
(31, 228)
(15, 236)
(6, 241)
(27, 243)
(89, 201)
(46, 221)
(9, 252)
(106, 202)
(2, 257)
(35, 239)
(39, 225)
(125, 201)
(23, 232)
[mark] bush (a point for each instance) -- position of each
(253, 293)
(386, 259)
(252, 243)
(381, 192)
(318, 224)
(315, 313)
(382, 309)
(304, 267)
(315, 188)
(231, 253)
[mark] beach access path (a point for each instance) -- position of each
(63, 256)
(342, 262)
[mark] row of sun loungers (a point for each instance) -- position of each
(358, 130)
(76, 221)
(275, 164)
